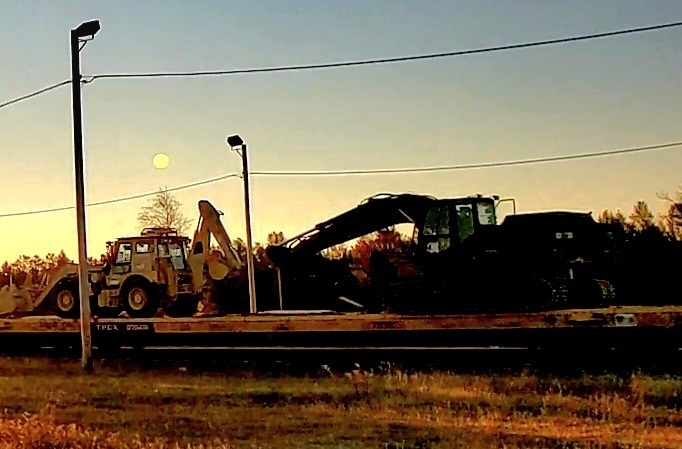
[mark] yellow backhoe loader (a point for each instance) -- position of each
(154, 273)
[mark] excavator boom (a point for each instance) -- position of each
(375, 213)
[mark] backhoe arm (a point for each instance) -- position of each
(219, 265)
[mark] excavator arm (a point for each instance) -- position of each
(373, 214)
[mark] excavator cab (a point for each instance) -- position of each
(450, 222)
(446, 240)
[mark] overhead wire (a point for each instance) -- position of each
(91, 78)
(362, 172)
(466, 166)
(34, 93)
(385, 60)
(121, 199)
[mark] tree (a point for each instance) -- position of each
(240, 248)
(275, 238)
(339, 251)
(671, 220)
(385, 241)
(163, 211)
(62, 259)
(641, 217)
(612, 218)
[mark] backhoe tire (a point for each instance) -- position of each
(139, 300)
(66, 300)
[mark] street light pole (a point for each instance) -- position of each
(236, 142)
(83, 30)
(249, 241)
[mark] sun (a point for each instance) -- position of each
(161, 160)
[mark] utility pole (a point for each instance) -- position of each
(83, 30)
(279, 287)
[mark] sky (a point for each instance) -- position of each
(596, 95)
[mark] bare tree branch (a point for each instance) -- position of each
(163, 211)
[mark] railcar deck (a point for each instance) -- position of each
(614, 327)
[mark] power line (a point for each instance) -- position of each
(34, 94)
(120, 199)
(467, 166)
(89, 79)
(385, 60)
(363, 172)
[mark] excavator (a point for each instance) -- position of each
(459, 260)
(158, 272)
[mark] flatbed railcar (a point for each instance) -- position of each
(629, 328)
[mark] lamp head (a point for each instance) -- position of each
(235, 141)
(86, 29)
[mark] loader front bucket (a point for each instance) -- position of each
(14, 300)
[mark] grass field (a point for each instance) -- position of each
(52, 404)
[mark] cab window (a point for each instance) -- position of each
(465, 221)
(431, 225)
(163, 249)
(124, 253)
(486, 213)
(143, 247)
(437, 229)
(177, 256)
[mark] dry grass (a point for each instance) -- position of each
(50, 404)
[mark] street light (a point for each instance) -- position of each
(86, 29)
(84, 32)
(236, 143)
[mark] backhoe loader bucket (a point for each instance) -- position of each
(14, 300)
(32, 296)
(218, 266)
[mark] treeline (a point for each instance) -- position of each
(31, 269)
(641, 221)
(648, 252)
